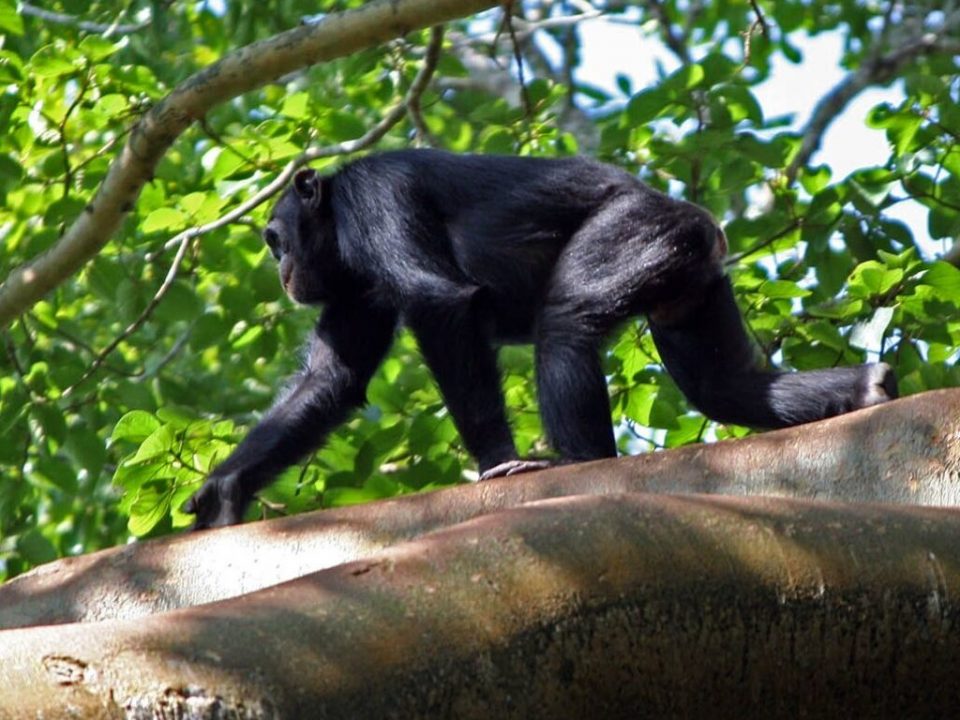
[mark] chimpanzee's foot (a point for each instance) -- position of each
(514, 467)
(879, 385)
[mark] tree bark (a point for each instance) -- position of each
(632, 605)
(905, 452)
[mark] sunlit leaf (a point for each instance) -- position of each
(164, 219)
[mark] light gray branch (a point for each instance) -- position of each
(878, 68)
(114, 28)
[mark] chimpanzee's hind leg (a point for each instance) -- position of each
(638, 254)
(710, 357)
(650, 254)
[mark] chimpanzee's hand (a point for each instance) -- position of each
(219, 502)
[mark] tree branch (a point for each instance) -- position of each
(877, 69)
(138, 323)
(108, 30)
(578, 607)
(239, 72)
(676, 43)
(420, 83)
(903, 452)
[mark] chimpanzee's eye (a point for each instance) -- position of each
(272, 238)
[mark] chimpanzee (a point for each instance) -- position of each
(474, 251)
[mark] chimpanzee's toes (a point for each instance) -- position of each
(514, 467)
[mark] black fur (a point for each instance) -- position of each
(471, 252)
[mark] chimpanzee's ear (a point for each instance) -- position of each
(307, 184)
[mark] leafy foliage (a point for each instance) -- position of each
(97, 446)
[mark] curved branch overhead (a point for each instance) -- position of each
(239, 72)
(879, 69)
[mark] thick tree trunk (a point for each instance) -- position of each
(905, 452)
(628, 606)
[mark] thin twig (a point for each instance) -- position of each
(138, 323)
(168, 357)
(215, 136)
(759, 22)
(62, 129)
(766, 242)
(108, 30)
(413, 99)
(759, 19)
(12, 353)
(523, 28)
(518, 57)
(676, 43)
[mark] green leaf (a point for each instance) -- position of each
(875, 193)
(164, 219)
(740, 103)
(640, 400)
(538, 90)
(344, 496)
(942, 223)
(279, 148)
(96, 48)
(112, 104)
(10, 170)
(51, 422)
(202, 207)
(51, 62)
(180, 303)
(150, 507)
(136, 426)
(178, 418)
(782, 289)
(790, 51)
(248, 337)
(36, 548)
(86, 449)
(10, 20)
(686, 78)
(224, 164)
(339, 125)
(209, 329)
(945, 279)
(497, 141)
(845, 309)
(718, 68)
(158, 444)
(11, 68)
(646, 105)
(874, 278)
